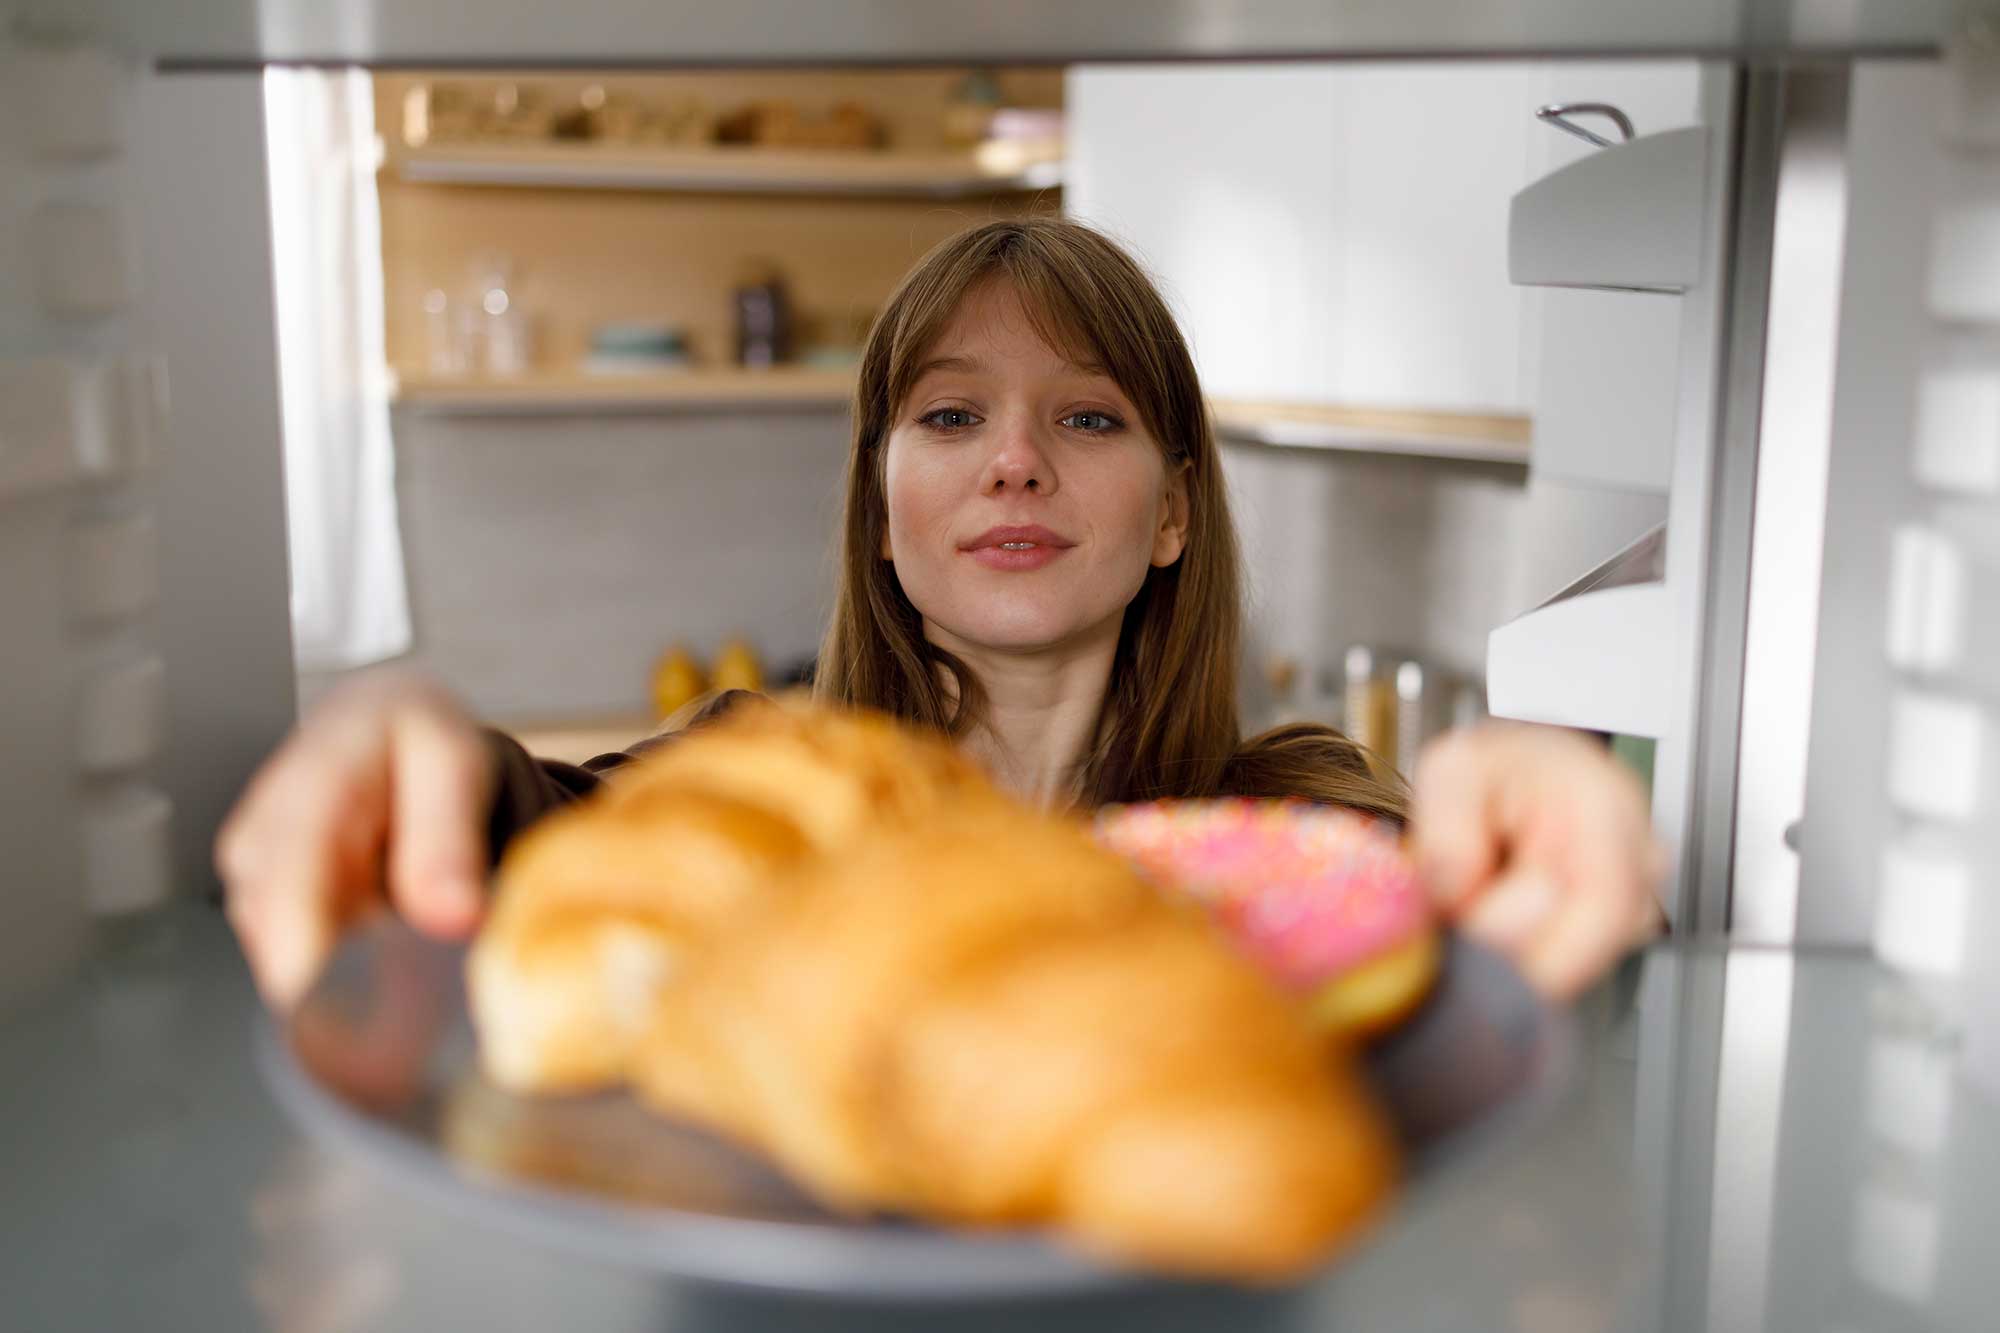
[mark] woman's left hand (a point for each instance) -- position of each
(1538, 844)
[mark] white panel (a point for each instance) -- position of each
(82, 258)
(1927, 613)
(119, 711)
(1935, 754)
(140, 413)
(1599, 661)
(1895, 1242)
(72, 102)
(1972, 81)
(1981, 979)
(1610, 369)
(1965, 262)
(1921, 904)
(113, 567)
(1625, 217)
(1909, 1095)
(127, 859)
(54, 424)
(1958, 429)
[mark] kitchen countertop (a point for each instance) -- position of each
(151, 1182)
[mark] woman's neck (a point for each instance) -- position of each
(1041, 709)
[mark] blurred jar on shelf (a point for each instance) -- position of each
(763, 316)
(503, 341)
(781, 123)
(448, 336)
(515, 111)
(637, 347)
(1394, 703)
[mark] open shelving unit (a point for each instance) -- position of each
(1503, 440)
(617, 229)
(1443, 436)
(594, 166)
(723, 388)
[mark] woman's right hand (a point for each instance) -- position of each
(380, 794)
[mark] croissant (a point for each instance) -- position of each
(596, 909)
(988, 1020)
(597, 906)
(833, 942)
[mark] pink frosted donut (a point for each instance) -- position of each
(1323, 899)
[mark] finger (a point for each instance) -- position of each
(437, 855)
(1452, 829)
(1513, 912)
(299, 871)
(1594, 925)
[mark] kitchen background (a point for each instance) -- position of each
(1789, 1136)
(598, 456)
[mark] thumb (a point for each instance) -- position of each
(1453, 832)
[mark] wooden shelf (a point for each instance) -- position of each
(590, 166)
(544, 393)
(1502, 440)
(1453, 436)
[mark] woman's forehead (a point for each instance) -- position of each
(993, 322)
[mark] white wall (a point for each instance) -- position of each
(551, 559)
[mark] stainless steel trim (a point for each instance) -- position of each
(1703, 380)
(1712, 806)
(1779, 587)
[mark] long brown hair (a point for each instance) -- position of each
(1169, 725)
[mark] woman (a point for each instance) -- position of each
(1037, 559)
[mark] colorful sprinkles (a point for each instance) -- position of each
(1309, 890)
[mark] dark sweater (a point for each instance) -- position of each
(526, 788)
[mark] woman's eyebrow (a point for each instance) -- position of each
(964, 365)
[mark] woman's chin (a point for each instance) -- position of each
(1032, 631)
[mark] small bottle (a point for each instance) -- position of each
(737, 668)
(446, 346)
(503, 325)
(677, 681)
(763, 317)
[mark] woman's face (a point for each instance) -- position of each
(1026, 499)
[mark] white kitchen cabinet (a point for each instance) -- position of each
(1330, 234)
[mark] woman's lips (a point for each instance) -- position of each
(1017, 548)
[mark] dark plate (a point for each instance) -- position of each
(379, 1063)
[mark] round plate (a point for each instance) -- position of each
(379, 1062)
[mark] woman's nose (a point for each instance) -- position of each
(1018, 463)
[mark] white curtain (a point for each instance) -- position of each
(349, 602)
